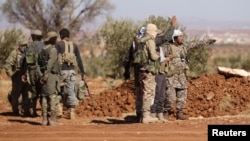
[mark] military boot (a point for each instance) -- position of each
(148, 119)
(181, 116)
(45, 119)
(165, 115)
(72, 113)
(154, 115)
(161, 117)
(59, 111)
(138, 117)
(53, 119)
(34, 111)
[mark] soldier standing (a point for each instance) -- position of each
(32, 52)
(128, 62)
(148, 72)
(16, 69)
(70, 60)
(162, 41)
(50, 69)
(176, 77)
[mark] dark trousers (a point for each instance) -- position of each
(160, 90)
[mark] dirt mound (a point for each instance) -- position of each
(208, 96)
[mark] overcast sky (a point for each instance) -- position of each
(187, 11)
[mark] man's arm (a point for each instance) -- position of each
(79, 60)
(167, 37)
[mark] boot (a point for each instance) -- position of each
(154, 115)
(72, 113)
(181, 116)
(53, 119)
(161, 117)
(138, 117)
(165, 115)
(147, 118)
(34, 111)
(59, 111)
(45, 119)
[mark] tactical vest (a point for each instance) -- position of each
(68, 57)
(170, 67)
(141, 57)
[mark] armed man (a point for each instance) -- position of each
(70, 60)
(162, 40)
(16, 69)
(49, 66)
(148, 70)
(129, 61)
(32, 52)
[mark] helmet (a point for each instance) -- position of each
(176, 33)
(50, 34)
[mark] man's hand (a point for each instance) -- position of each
(24, 78)
(83, 76)
(173, 21)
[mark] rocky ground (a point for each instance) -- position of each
(212, 99)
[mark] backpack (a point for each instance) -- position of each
(43, 58)
(140, 55)
(31, 54)
(68, 57)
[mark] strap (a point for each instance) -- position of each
(69, 46)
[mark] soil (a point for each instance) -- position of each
(109, 114)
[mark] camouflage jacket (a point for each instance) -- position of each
(15, 63)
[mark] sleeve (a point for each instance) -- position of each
(51, 61)
(10, 63)
(152, 50)
(79, 59)
(167, 37)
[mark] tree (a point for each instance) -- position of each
(8, 41)
(55, 14)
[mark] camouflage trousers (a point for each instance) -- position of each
(148, 90)
(175, 95)
(49, 103)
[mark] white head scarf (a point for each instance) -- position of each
(176, 33)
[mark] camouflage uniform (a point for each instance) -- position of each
(177, 83)
(33, 70)
(147, 73)
(16, 69)
(50, 79)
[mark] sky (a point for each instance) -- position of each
(191, 12)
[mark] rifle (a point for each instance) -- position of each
(87, 87)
